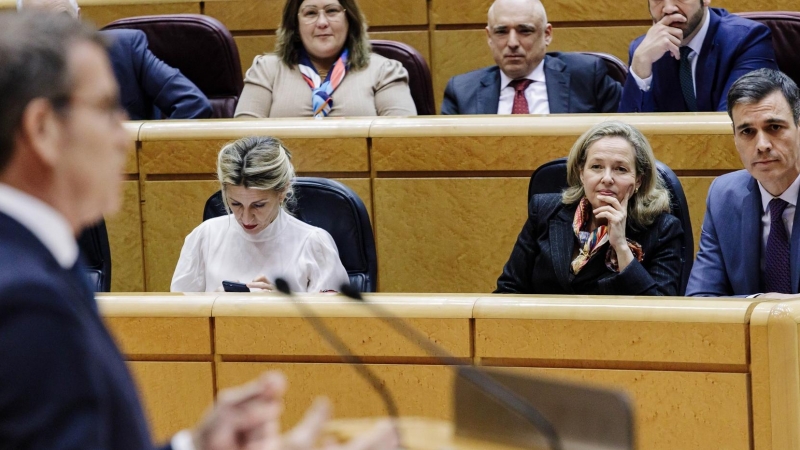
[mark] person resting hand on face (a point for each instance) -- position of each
(609, 233)
(259, 240)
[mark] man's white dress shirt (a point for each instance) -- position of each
(535, 93)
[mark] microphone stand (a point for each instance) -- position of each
(476, 377)
(344, 352)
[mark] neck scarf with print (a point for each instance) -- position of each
(591, 242)
(322, 91)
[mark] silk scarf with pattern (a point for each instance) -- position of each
(322, 91)
(590, 242)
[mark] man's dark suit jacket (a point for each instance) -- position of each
(146, 83)
(728, 262)
(541, 258)
(733, 47)
(576, 83)
(63, 383)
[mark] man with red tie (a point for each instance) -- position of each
(526, 79)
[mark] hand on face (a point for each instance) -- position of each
(662, 37)
(615, 215)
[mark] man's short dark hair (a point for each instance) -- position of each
(758, 84)
(34, 46)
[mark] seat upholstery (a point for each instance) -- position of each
(785, 27)
(617, 69)
(93, 244)
(419, 75)
(335, 208)
(551, 177)
(201, 48)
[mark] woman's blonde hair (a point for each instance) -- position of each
(288, 45)
(256, 162)
(650, 200)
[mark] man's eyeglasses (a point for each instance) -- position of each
(111, 108)
(334, 13)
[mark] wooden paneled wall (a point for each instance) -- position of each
(447, 196)
(448, 33)
(719, 373)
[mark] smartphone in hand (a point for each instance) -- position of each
(232, 286)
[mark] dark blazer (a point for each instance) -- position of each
(147, 83)
(63, 383)
(733, 47)
(728, 262)
(541, 258)
(576, 83)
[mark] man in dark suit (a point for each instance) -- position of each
(691, 55)
(526, 80)
(149, 88)
(63, 382)
(750, 242)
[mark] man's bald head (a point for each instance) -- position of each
(522, 7)
(518, 35)
(59, 6)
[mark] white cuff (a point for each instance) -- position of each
(182, 441)
(643, 84)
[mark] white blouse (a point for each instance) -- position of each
(219, 249)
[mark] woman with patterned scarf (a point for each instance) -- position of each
(323, 66)
(609, 233)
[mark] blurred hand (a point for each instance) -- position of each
(305, 435)
(244, 417)
(660, 38)
(261, 282)
(248, 418)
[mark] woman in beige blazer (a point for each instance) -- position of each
(323, 66)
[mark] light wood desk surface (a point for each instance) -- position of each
(702, 373)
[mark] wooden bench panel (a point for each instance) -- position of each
(417, 390)
(174, 394)
(446, 234)
(125, 238)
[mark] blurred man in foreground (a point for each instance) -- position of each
(63, 382)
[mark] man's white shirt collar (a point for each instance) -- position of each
(789, 195)
(41, 219)
(536, 75)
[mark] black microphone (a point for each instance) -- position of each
(472, 374)
(344, 352)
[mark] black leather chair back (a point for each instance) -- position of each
(419, 75)
(617, 69)
(201, 47)
(785, 28)
(551, 177)
(335, 208)
(93, 244)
